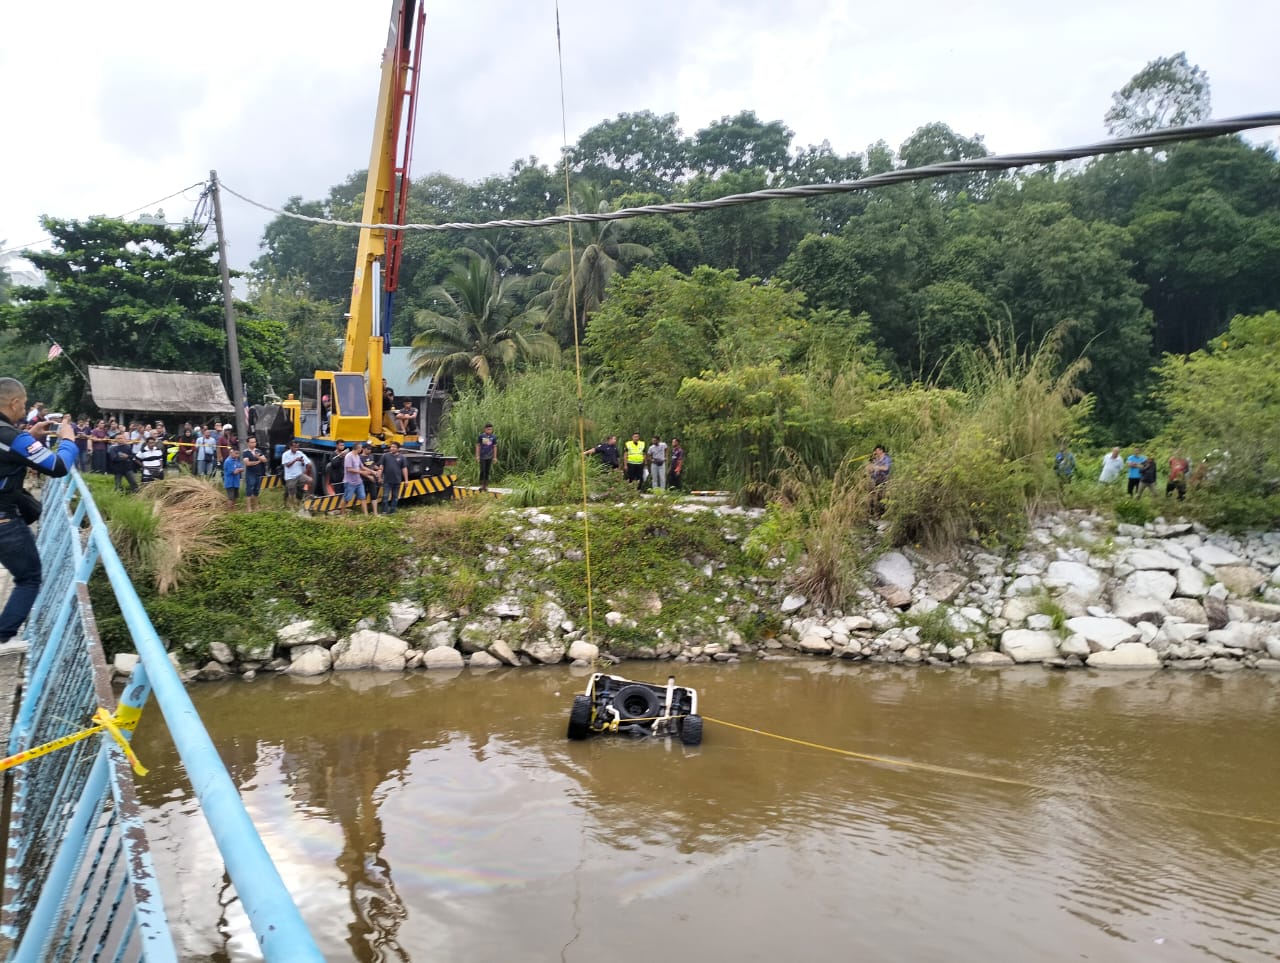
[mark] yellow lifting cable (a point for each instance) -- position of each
(577, 351)
(987, 777)
(124, 719)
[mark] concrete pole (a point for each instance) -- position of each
(233, 347)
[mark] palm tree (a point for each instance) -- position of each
(475, 333)
(597, 255)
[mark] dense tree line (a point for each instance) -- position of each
(785, 318)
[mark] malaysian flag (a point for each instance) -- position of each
(55, 351)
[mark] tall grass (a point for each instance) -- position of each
(979, 469)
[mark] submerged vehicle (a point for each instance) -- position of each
(612, 704)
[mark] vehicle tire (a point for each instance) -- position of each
(636, 702)
(580, 718)
(691, 730)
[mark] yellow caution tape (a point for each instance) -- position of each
(124, 719)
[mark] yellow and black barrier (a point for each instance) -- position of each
(439, 485)
(459, 492)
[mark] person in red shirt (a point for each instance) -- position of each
(1178, 468)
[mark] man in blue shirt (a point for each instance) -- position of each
(1135, 463)
(22, 449)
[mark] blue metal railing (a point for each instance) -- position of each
(79, 880)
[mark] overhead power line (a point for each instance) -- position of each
(143, 207)
(998, 162)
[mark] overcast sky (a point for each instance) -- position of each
(108, 106)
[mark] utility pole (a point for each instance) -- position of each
(233, 347)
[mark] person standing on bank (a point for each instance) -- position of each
(393, 473)
(676, 454)
(486, 453)
(607, 450)
(657, 453)
(21, 449)
(635, 459)
(294, 461)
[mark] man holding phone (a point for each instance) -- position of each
(22, 449)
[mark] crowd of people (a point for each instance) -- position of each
(1139, 469)
(657, 465)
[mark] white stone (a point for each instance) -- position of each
(306, 632)
(584, 650)
(613, 619)
(309, 659)
(1273, 647)
(1237, 635)
(1138, 608)
(1151, 559)
(438, 634)
(1019, 609)
(1025, 584)
(1040, 622)
(1151, 584)
(367, 649)
(505, 608)
(1076, 576)
(403, 615)
(988, 658)
(1185, 631)
(792, 604)
(815, 644)
(476, 635)
(123, 663)
(545, 651)
(1075, 644)
(894, 568)
(1127, 655)
(221, 652)
(482, 660)
(442, 658)
(957, 653)
(1213, 555)
(857, 623)
(501, 651)
(1027, 645)
(1102, 633)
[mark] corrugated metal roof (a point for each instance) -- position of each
(147, 389)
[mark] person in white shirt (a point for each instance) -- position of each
(657, 462)
(294, 461)
(1112, 463)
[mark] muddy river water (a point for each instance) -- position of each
(443, 816)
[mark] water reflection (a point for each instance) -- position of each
(429, 816)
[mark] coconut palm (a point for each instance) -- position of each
(475, 332)
(597, 255)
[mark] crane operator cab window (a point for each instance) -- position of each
(352, 400)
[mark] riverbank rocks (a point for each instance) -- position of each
(1083, 591)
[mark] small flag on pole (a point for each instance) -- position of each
(55, 351)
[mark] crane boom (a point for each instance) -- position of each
(377, 266)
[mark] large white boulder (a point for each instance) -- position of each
(1028, 645)
(1241, 580)
(310, 660)
(305, 632)
(502, 652)
(546, 651)
(1151, 559)
(988, 658)
(1213, 555)
(367, 649)
(584, 651)
(483, 660)
(1128, 655)
(1076, 576)
(895, 569)
(1103, 634)
(442, 658)
(1151, 584)
(1192, 582)
(403, 615)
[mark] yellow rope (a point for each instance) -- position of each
(987, 777)
(577, 350)
(124, 719)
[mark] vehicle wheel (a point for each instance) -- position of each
(691, 730)
(580, 718)
(636, 702)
